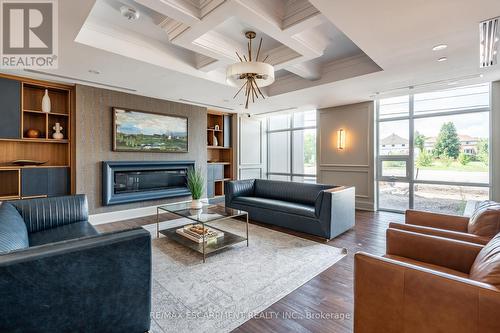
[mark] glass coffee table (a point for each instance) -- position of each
(192, 231)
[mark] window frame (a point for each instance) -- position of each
(292, 130)
(410, 159)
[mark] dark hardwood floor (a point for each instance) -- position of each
(325, 303)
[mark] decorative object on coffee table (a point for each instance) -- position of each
(207, 218)
(33, 133)
(46, 105)
(195, 184)
(57, 134)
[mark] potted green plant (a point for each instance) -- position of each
(195, 184)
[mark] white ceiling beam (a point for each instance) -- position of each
(308, 70)
(180, 10)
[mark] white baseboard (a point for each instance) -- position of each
(121, 215)
(128, 214)
(365, 205)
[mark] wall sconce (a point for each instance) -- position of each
(341, 139)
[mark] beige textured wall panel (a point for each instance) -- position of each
(94, 139)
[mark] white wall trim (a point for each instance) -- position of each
(121, 215)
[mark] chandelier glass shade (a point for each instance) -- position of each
(250, 74)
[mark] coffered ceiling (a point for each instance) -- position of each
(201, 38)
(325, 52)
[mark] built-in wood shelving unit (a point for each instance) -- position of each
(22, 111)
(219, 152)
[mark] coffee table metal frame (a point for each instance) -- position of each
(181, 209)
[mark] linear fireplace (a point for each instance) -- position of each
(124, 182)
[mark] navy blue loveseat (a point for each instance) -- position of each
(58, 274)
(321, 210)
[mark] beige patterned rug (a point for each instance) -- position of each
(233, 285)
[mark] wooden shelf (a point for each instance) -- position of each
(16, 146)
(11, 184)
(15, 167)
(218, 147)
(9, 198)
(48, 113)
(223, 180)
(39, 140)
(220, 156)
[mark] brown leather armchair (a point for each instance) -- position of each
(479, 228)
(428, 284)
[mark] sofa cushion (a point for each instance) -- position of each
(288, 191)
(486, 267)
(47, 213)
(485, 221)
(62, 233)
(13, 232)
(278, 205)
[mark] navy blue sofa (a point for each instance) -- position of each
(58, 274)
(321, 210)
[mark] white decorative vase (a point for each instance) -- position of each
(196, 204)
(57, 134)
(216, 142)
(46, 102)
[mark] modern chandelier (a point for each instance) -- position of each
(250, 74)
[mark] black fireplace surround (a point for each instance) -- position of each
(124, 182)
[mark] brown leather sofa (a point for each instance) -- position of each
(428, 284)
(479, 228)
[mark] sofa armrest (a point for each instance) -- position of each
(238, 188)
(434, 220)
(95, 284)
(46, 213)
(461, 236)
(391, 296)
(336, 210)
(434, 250)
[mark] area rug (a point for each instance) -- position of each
(234, 284)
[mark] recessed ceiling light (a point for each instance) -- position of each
(94, 71)
(442, 59)
(439, 47)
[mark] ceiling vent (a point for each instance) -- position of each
(489, 34)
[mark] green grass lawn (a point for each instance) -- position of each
(454, 166)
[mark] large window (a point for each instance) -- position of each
(433, 150)
(291, 140)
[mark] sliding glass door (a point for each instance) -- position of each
(433, 150)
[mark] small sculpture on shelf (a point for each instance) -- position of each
(46, 105)
(32, 133)
(216, 127)
(57, 134)
(216, 142)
